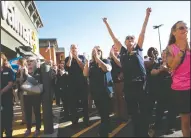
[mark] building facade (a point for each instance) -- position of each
(60, 55)
(20, 22)
(48, 48)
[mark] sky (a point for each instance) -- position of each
(80, 22)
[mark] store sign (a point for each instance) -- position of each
(10, 15)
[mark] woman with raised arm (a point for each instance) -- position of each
(178, 60)
(96, 71)
(134, 77)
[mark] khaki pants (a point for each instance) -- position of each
(119, 103)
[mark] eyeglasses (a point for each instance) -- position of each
(129, 38)
(182, 28)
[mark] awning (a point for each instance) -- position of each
(24, 53)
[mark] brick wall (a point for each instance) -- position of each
(46, 55)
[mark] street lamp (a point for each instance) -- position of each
(157, 27)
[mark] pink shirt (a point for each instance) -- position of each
(181, 76)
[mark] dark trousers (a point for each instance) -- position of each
(102, 102)
(7, 118)
(165, 101)
(78, 92)
(32, 101)
(65, 97)
(58, 95)
(137, 106)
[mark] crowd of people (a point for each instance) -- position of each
(125, 84)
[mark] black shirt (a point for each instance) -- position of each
(7, 75)
(97, 77)
(162, 81)
(62, 81)
(75, 72)
(116, 70)
(132, 64)
(155, 65)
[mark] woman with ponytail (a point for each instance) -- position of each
(178, 61)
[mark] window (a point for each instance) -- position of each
(30, 9)
(34, 17)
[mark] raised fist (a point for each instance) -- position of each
(104, 19)
(148, 11)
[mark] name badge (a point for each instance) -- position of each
(5, 73)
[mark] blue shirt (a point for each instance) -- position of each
(132, 63)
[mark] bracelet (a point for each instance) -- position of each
(182, 51)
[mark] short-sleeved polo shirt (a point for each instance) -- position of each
(7, 75)
(97, 77)
(132, 63)
(75, 72)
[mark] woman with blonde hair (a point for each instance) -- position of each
(7, 79)
(32, 101)
(178, 61)
(96, 71)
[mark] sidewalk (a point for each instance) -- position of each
(56, 112)
(18, 129)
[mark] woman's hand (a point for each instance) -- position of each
(148, 11)
(95, 54)
(104, 20)
(112, 53)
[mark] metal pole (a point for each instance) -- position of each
(50, 51)
(47, 99)
(159, 40)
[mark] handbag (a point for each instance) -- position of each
(32, 89)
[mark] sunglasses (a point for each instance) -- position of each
(98, 50)
(182, 28)
(29, 61)
(129, 38)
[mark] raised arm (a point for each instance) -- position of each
(115, 40)
(86, 69)
(116, 60)
(142, 34)
(69, 62)
(79, 61)
(104, 66)
(173, 61)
